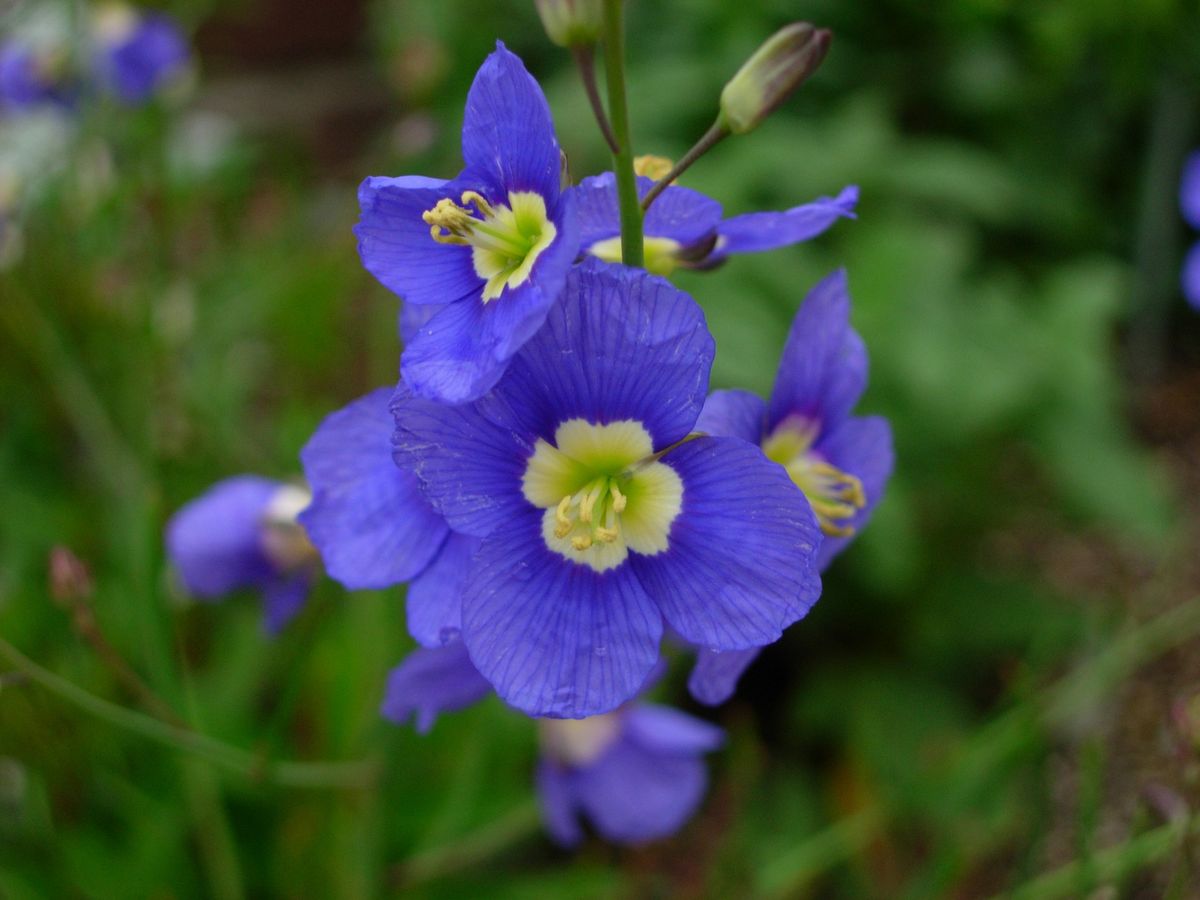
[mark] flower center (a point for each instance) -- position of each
(505, 241)
(834, 495)
(604, 492)
(283, 539)
(662, 255)
(578, 742)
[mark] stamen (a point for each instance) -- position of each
(834, 495)
(619, 499)
(562, 525)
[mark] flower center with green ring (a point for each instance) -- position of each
(604, 492)
(505, 241)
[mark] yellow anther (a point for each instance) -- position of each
(652, 166)
(479, 202)
(447, 216)
(581, 542)
(562, 525)
(619, 499)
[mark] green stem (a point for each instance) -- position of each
(711, 138)
(359, 774)
(627, 196)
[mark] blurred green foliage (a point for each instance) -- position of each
(174, 323)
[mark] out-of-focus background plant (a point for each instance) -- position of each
(1002, 679)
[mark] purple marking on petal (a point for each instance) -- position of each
(740, 565)
(554, 637)
(823, 369)
(431, 682)
(368, 517)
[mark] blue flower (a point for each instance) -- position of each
(1189, 203)
(841, 462)
(492, 247)
(601, 514)
(137, 54)
(684, 228)
(373, 527)
(636, 774)
(30, 78)
(242, 533)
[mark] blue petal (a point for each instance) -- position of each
(395, 245)
(1191, 277)
(469, 468)
(740, 565)
(823, 369)
(430, 682)
(862, 447)
(633, 793)
(434, 601)
(620, 344)
(680, 214)
(367, 518)
(715, 676)
(414, 317)
(283, 598)
(667, 730)
(756, 232)
(461, 352)
(557, 802)
(215, 542)
(508, 133)
(1189, 190)
(738, 414)
(553, 637)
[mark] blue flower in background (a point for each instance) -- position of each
(1189, 203)
(31, 78)
(491, 247)
(135, 54)
(600, 514)
(636, 774)
(684, 228)
(243, 534)
(371, 524)
(841, 462)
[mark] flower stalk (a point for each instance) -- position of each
(632, 253)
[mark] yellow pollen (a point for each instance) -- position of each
(834, 495)
(505, 240)
(652, 166)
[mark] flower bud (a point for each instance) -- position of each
(572, 23)
(768, 77)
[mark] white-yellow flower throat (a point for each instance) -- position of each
(505, 241)
(835, 496)
(604, 492)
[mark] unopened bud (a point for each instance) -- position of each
(70, 579)
(572, 23)
(768, 77)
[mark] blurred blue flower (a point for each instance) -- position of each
(31, 78)
(243, 533)
(841, 462)
(636, 774)
(491, 248)
(136, 54)
(684, 228)
(373, 527)
(1189, 203)
(600, 513)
